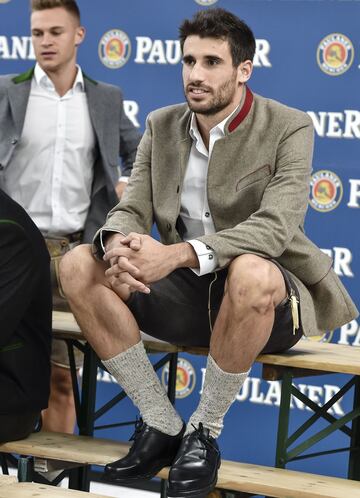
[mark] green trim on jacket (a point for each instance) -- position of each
(21, 78)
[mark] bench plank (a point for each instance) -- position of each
(233, 476)
(68, 447)
(283, 483)
(6, 480)
(64, 326)
(30, 490)
(311, 355)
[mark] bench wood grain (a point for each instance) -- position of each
(308, 355)
(7, 480)
(30, 490)
(233, 476)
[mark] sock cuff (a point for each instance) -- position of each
(131, 356)
(212, 364)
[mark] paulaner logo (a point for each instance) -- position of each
(326, 191)
(335, 54)
(185, 378)
(114, 48)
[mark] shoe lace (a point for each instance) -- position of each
(139, 423)
(204, 436)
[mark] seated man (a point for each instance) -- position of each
(226, 178)
(25, 318)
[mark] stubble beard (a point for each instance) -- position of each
(220, 100)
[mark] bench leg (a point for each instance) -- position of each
(4, 465)
(80, 477)
(88, 393)
(25, 469)
(283, 424)
(171, 392)
(172, 378)
(354, 457)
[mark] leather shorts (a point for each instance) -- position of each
(57, 247)
(182, 309)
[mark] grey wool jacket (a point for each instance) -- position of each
(257, 187)
(115, 136)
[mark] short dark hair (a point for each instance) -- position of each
(69, 5)
(220, 23)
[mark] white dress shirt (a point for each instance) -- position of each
(194, 208)
(194, 211)
(51, 171)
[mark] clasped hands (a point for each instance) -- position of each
(136, 260)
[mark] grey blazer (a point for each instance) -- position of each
(257, 186)
(116, 136)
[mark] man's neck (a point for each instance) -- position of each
(63, 79)
(206, 123)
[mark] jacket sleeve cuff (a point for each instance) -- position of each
(102, 235)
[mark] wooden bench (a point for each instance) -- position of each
(307, 358)
(31, 490)
(7, 480)
(233, 476)
(11, 488)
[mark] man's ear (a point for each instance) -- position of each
(245, 71)
(80, 35)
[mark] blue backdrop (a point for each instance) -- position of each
(308, 56)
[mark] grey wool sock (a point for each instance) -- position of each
(219, 392)
(134, 372)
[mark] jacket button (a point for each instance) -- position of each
(207, 214)
(14, 141)
(168, 226)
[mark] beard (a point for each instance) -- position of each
(219, 101)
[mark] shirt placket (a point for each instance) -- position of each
(58, 164)
(206, 215)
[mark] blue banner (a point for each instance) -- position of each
(308, 56)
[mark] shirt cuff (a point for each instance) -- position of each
(207, 258)
(124, 179)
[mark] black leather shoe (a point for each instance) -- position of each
(151, 451)
(194, 471)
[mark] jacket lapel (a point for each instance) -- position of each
(18, 94)
(97, 108)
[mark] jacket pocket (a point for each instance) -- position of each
(259, 174)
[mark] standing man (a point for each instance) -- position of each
(25, 318)
(226, 179)
(61, 136)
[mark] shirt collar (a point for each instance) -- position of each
(219, 128)
(43, 80)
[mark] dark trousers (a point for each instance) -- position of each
(17, 426)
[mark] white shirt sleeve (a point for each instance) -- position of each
(124, 179)
(207, 258)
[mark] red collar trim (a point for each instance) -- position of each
(244, 111)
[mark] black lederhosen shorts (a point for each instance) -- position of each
(179, 308)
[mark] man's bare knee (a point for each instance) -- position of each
(78, 269)
(255, 282)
